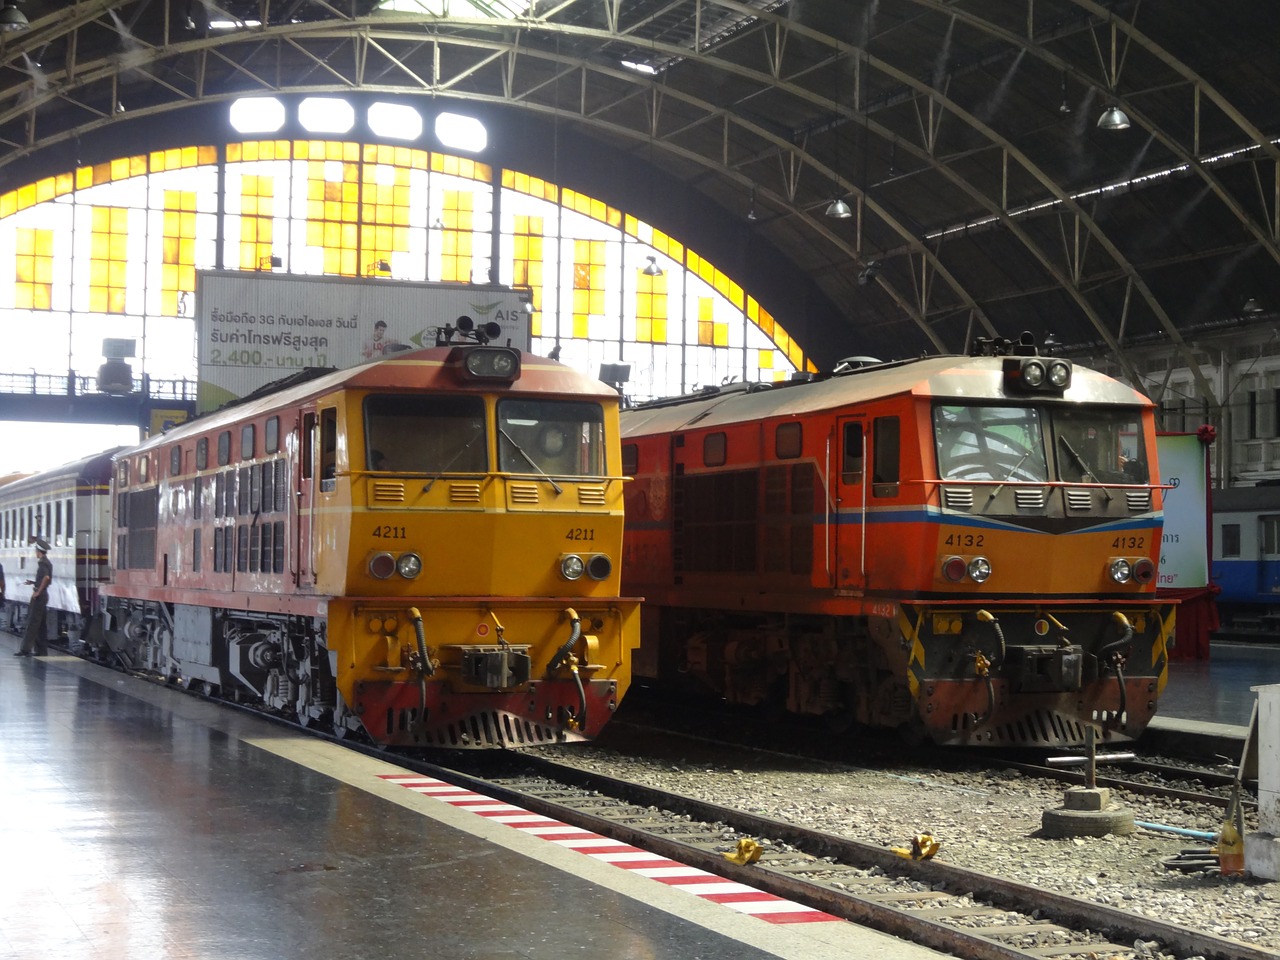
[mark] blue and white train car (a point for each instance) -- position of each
(70, 508)
(1246, 559)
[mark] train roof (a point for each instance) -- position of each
(952, 377)
(95, 468)
(425, 370)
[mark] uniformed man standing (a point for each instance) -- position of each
(33, 641)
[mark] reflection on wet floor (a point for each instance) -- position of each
(1218, 690)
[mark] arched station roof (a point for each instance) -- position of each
(962, 134)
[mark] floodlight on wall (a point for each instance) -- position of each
(751, 209)
(378, 268)
(1113, 118)
(12, 19)
(269, 263)
(651, 269)
(1251, 306)
(839, 210)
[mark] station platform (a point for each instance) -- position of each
(140, 822)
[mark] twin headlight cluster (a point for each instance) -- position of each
(595, 565)
(1037, 374)
(383, 565)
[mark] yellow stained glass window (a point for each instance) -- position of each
(33, 269)
(109, 243)
(651, 308)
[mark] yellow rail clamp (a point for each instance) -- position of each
(923, 847)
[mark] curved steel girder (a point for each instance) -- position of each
(106, 68)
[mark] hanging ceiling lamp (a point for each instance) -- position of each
(1113, 118)
(839, 210)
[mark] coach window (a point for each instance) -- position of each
(1230, 539)
(57, 523)
(852, 454)
(630, 459)
(224, 448)
(787, 440)
(246, 442)
(885, 462)
(202, 453)
(271, 438)
(714, 450)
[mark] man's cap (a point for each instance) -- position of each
(42, 545)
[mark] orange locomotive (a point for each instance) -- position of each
(423, 550)
(960, 546)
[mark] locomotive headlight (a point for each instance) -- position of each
(979, 569)
(409, 565)
(1121, 571)
(572, 567)
(491, 363)
(1033, 373)
(1060, 374)
(382, 565)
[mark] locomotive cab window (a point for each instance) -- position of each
(852, 453)
(787, 441)
(425, 435)
(553, 437)
(886, 467)
(328, 448)
(1100, 445)
(989, 443)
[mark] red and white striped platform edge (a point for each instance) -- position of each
(737, 896)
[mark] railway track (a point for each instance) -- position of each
(927, 901)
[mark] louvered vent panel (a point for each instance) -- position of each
(388, 491)
(591, 496)
(1029, 498)
(1139, 500)
(1079, 499)
(464, 493)
(523, 492)
(959, 498)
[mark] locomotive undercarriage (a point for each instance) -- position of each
(1025, 678)
(279, 662)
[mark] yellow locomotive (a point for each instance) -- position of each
(422, 549)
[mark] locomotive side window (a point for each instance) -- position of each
(851, 454)
(271, 437)
(175, 460)
(1229, 537)
(630, 459)
(553, 437)
(886, 456)
(224, 448)
(328, 448)
(715, 450)
(427, 435)
(989, 443)
(246, 442)
(1100, 445)
(787, 441)
(202, 453)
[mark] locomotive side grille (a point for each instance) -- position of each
(388, 491)
(523, 492)
(1139, 500)
(591, 495)
(460, 492)
(1029, 498)
(1079, 499)
(959, 498)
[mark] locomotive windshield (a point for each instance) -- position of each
(425, 434)
(554, 437)
(989, 443)
(1088, 444)
(1100, 445)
